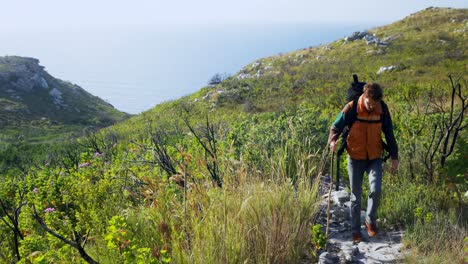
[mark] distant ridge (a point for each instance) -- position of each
(29, 94)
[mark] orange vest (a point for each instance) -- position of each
(364, 140)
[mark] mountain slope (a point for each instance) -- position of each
(418, 52)
(29, 94)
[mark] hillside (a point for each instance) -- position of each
(235, 172)
(419, 51)
(32, 100)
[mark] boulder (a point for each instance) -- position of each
(341, 214)
(371, 39)
(243, 76)
(356, 36)
(348, 252)
(258, 74)
(207, 96)
(386, 68)
(328, 258)
(256, 64)
(340, 197)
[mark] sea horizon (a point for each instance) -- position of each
(135, 68)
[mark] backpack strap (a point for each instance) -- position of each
(352, 115)
(350, 118)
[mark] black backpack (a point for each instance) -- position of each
(355, 90)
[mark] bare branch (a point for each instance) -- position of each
(13, 219)
(75, 244)
(50, 231)
(208, 143)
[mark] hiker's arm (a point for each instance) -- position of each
(337, 127)
(387, 128)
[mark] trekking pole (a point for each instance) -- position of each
(338, 156)
(329, 198)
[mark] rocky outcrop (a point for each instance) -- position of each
(243, 76)
(369, 38)
(356, 36)
(258, 69)
(57, 97)
(23, 74)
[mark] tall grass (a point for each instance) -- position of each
(435, 226)
(439, 239)
(254, 218)
(254, 222)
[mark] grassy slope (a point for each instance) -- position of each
(428, 46)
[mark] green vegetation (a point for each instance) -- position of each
(319, 239)
(148, 190)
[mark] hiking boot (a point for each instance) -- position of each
(357, 237)
(371, 229)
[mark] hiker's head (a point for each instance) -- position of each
(372, 95)
(374, 91)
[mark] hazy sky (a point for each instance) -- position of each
(18, 14)
(138, 53)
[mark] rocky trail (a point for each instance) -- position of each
(386, 247)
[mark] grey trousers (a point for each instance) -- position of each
(356, 169)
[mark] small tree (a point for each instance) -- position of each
(207, 139)
(10, 210)
(446, 129)
(217, 79)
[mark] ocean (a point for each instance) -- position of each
(136, 67)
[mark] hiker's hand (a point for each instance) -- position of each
(394, 165)
(333, 146)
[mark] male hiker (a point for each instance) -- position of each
(366, 118)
